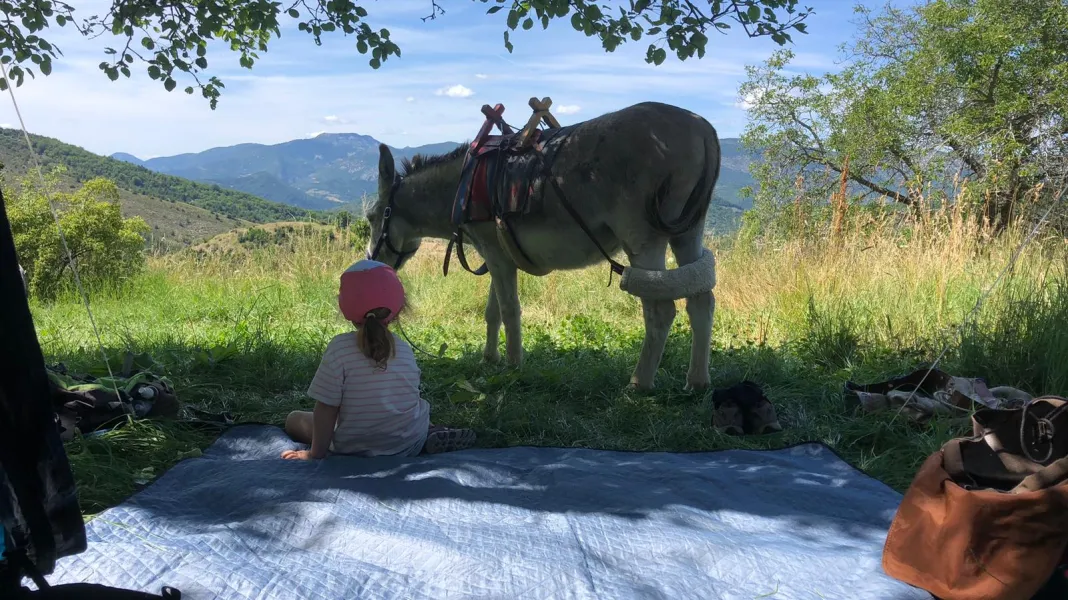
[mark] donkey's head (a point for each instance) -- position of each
(412, 204)
(394, 237)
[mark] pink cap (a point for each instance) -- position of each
(367, 285)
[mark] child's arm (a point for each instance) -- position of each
(327, 391)
(324, 418)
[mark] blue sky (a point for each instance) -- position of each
(449, 68)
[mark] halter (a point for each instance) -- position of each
(383, 238)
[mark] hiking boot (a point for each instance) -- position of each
(761, 418)
(445, 439)
(743, 409)
(729, 419)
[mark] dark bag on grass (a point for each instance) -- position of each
(88, 403)
(986, 517)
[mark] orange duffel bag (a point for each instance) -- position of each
(986, 517)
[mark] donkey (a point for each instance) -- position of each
(639, 179)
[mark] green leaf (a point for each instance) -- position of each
(169, 84)
(577, 22)
(360, 11)
(753, 13)
(46, 67)
(294, 13)
(659, 56)
(202, 62)
(375, 63)
(494, 9)
(513, 19)
(148, 43)
(528, 23)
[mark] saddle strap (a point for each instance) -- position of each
(458, 241)
(616, 267)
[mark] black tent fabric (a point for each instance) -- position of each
(38, 503)
(40, 519)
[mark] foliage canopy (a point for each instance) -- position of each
(171, 37)
(972, 90)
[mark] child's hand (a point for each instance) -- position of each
(298, 455)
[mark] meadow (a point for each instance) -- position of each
(242, 330)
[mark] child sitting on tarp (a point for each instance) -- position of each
(367, 386)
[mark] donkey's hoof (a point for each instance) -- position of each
(491, 357)
(515, 360)
(636, 388)
(697, 385)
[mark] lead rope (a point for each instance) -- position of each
(441, 351)
(62, 237)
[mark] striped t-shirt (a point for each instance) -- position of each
(382, 413)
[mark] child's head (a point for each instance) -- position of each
(371, 297)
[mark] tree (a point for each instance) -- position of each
(171, 36)
(107, 248)
(969, 88)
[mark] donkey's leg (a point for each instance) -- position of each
(700, 308)
(506, 286)
(659, 314)
(492, 352)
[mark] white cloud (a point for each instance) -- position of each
(749, 100)
(410, 99)
(314, 134)
(481, 76)
(331, 118)
(568, 109)
(455, 91)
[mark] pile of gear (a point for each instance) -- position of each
(88, 404)
(925, 393)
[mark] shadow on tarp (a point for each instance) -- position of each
(518, 522)
(242, 479)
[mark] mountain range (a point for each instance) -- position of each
(189, 198)
(335, 169)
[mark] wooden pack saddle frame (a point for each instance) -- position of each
(509, 142)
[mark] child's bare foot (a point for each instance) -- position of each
(444, 439)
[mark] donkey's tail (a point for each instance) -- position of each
(693, 212)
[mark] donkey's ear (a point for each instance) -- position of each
(386, 166)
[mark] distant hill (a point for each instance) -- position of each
(130, 158)
(338, 170)
(180, 211)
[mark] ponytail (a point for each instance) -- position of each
(374, 338)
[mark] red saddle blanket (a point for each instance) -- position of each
(499, 180)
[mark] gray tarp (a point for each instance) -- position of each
(513, 523)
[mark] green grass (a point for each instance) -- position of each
(243, 332)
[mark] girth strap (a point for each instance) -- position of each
(616, 267)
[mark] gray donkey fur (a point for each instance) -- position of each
(629, 174)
